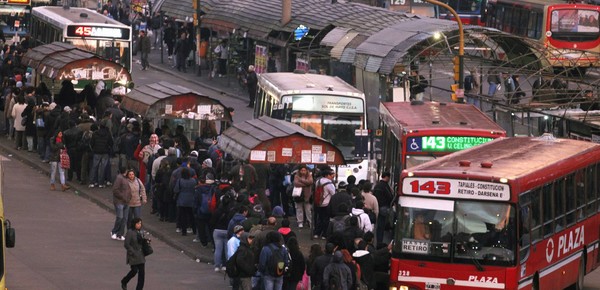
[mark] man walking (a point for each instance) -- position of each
(144, 49)
(121, 197)
(252, 84)
(181, 52)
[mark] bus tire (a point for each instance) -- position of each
(580, 274)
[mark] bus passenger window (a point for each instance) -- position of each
(421, 229)
(590, 189)
(570, 198)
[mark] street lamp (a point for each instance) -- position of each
(461, 44)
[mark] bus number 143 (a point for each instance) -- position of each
(432, 187)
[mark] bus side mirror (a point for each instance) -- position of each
(9, 235)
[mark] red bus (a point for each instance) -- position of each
(514, 213)
(414, 133)
(570, 28)
(470, 11)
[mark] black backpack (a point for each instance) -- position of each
(231, 268)
(469, 82)
(335, 280)
(276, 262)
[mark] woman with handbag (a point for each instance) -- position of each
(135, 256)
(303, 182)
(59, 160)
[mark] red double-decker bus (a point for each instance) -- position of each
(417, 132)
(514, 213)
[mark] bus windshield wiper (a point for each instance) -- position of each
(477, 263)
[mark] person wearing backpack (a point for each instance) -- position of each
(202, 198)
(242, 264)
(337, 275)
(364, 223)
(318, 266)
(273, 262)
(339, 222)
(324, 190)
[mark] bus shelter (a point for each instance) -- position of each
(169, 104)
(268, 140)
(57, 61)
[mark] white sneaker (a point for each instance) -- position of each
(121, 238)
(178, 230)
(300, 226)
(190, 231)
(101, 186)
(223, 269)
(113, 236)
(108, 183)
(217, 269)
(91, 185)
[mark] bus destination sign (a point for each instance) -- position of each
(443, 143)
(97, 31)
(455, 188)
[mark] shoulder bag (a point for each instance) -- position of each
(146, 247)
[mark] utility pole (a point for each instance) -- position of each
(461, 48)
(197, 13)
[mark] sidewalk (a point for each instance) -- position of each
(227, 85)
(163, 231)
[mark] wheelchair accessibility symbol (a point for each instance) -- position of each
(414, 146)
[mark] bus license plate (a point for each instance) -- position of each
(432, 286)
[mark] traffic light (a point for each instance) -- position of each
(454, 87)
(456, 62)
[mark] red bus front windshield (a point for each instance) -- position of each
(456, 231)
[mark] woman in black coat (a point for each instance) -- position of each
(30, 129)
(135, 256)
(298, 265)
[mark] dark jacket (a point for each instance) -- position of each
(237, 219)
(184, 189)
(383, 193)
(338, 199)
(133, 244)
(121, 190)
(55, 149)
(367, 267)
(337, 267)
(246, 261)
(144, 45)
(297, 268)
(72, 138)
(318, 268)
(102, 141)
(30, 124)
(129, 142)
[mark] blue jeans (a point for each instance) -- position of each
(220, 239)
(122, 213)
(98, 169)
(43, 148)
(135, 212)
(492, 89)
(61, 172)
(272, 283)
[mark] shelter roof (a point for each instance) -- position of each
(170, 101)
(277, 141)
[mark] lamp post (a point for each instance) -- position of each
(197, 14)
(461, 43)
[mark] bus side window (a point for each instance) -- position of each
(559, 204)
(570, 198)
(547, 208)
(590, 189)
(536, 215)
(580, 194)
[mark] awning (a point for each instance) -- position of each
(267, 140)
(62, 61)
(165, 100)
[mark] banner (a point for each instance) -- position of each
(260, 59)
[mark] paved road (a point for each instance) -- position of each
(63, 243)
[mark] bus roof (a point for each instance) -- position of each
(540, 3)
(285, 83)
(62, 17)
(513, 158)
(407, 116)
